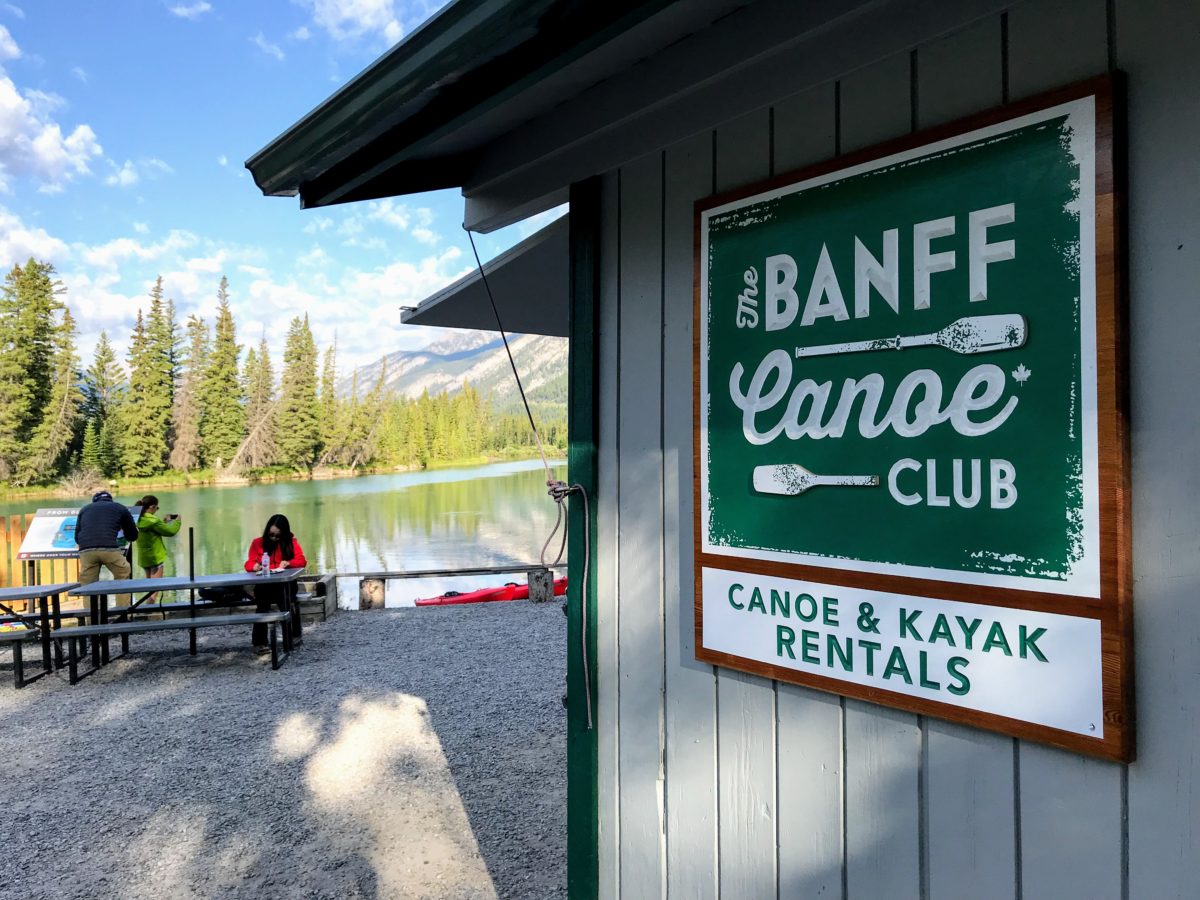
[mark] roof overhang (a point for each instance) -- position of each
(414, 120)
(528, 282)
(514, 100)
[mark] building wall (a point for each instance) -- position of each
(718, 784)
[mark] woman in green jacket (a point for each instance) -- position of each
(151, 552)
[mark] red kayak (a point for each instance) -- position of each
(510, 591)
(485, 595)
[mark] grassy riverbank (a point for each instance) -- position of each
(81, 487)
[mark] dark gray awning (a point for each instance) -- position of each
(528, 281)
(415, 118)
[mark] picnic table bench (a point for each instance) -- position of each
(17, 639)
(73, 636)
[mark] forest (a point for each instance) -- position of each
(187, 399)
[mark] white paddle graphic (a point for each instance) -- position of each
(970, 334)
(790, 480)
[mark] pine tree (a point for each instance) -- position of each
(90, 455)
(109, 449)
(260, 407)
(297, 422)
(155, 384)
(28, 307)
(332, 426)
(363, 442)
(102, 383)
(143, 445)
(162, 337)
(185, 416)
(223, 416)
(51, 439)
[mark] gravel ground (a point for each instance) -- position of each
(398, 753)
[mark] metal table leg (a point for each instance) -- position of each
(44, 608)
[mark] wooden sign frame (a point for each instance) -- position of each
(1113, 608)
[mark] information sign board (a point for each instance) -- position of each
(910, 425)
(51, 534)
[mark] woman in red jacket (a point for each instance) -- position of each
(283, 552)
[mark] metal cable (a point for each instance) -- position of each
(558, 491)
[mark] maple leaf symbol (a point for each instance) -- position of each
(1021, 374)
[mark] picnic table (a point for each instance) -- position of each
(98, 593)
(47, 597)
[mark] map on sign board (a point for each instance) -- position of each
(51, 534)
(906, 374)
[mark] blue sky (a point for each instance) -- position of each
(124, 126)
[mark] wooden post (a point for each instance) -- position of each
(541, 585)
(371, 593)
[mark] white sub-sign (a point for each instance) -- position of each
(1036, 667)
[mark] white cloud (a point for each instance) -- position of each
(222, 160)
(111, 255)
(8, 47)
(267, 47)
(15, 10)
(18, 242)
(33, 144)
(389, 212)
(131, 173)
(352, 20)
(301, 34)
(318, 223)
(314, 258)
(80, 73)
(125, 176)
(191, 11)
(423, 232)
(141, 227)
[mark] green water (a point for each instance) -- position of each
(491, 515)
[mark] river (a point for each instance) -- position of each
(491, 515)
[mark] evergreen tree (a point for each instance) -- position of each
(223, 416)
(151, 389)
(185, 416)
(109, 450)
(28, 307)
(162, 337)
(90, 455)
(331, 410)
(143, 442)
(260, 407)
(298, 427)
(363, 443)
(51, 439)
(102, 383)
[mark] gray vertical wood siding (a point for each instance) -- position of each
(715, 783)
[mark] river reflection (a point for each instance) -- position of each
(491, 515)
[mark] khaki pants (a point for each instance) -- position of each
(91, 560)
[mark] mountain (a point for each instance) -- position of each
(477, 357)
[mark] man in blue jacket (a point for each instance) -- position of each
(96, 534)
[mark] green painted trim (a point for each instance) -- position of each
(583, 817)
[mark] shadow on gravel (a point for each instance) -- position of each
(396, 754)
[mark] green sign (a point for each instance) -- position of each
(898, 363)
(912, 458)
